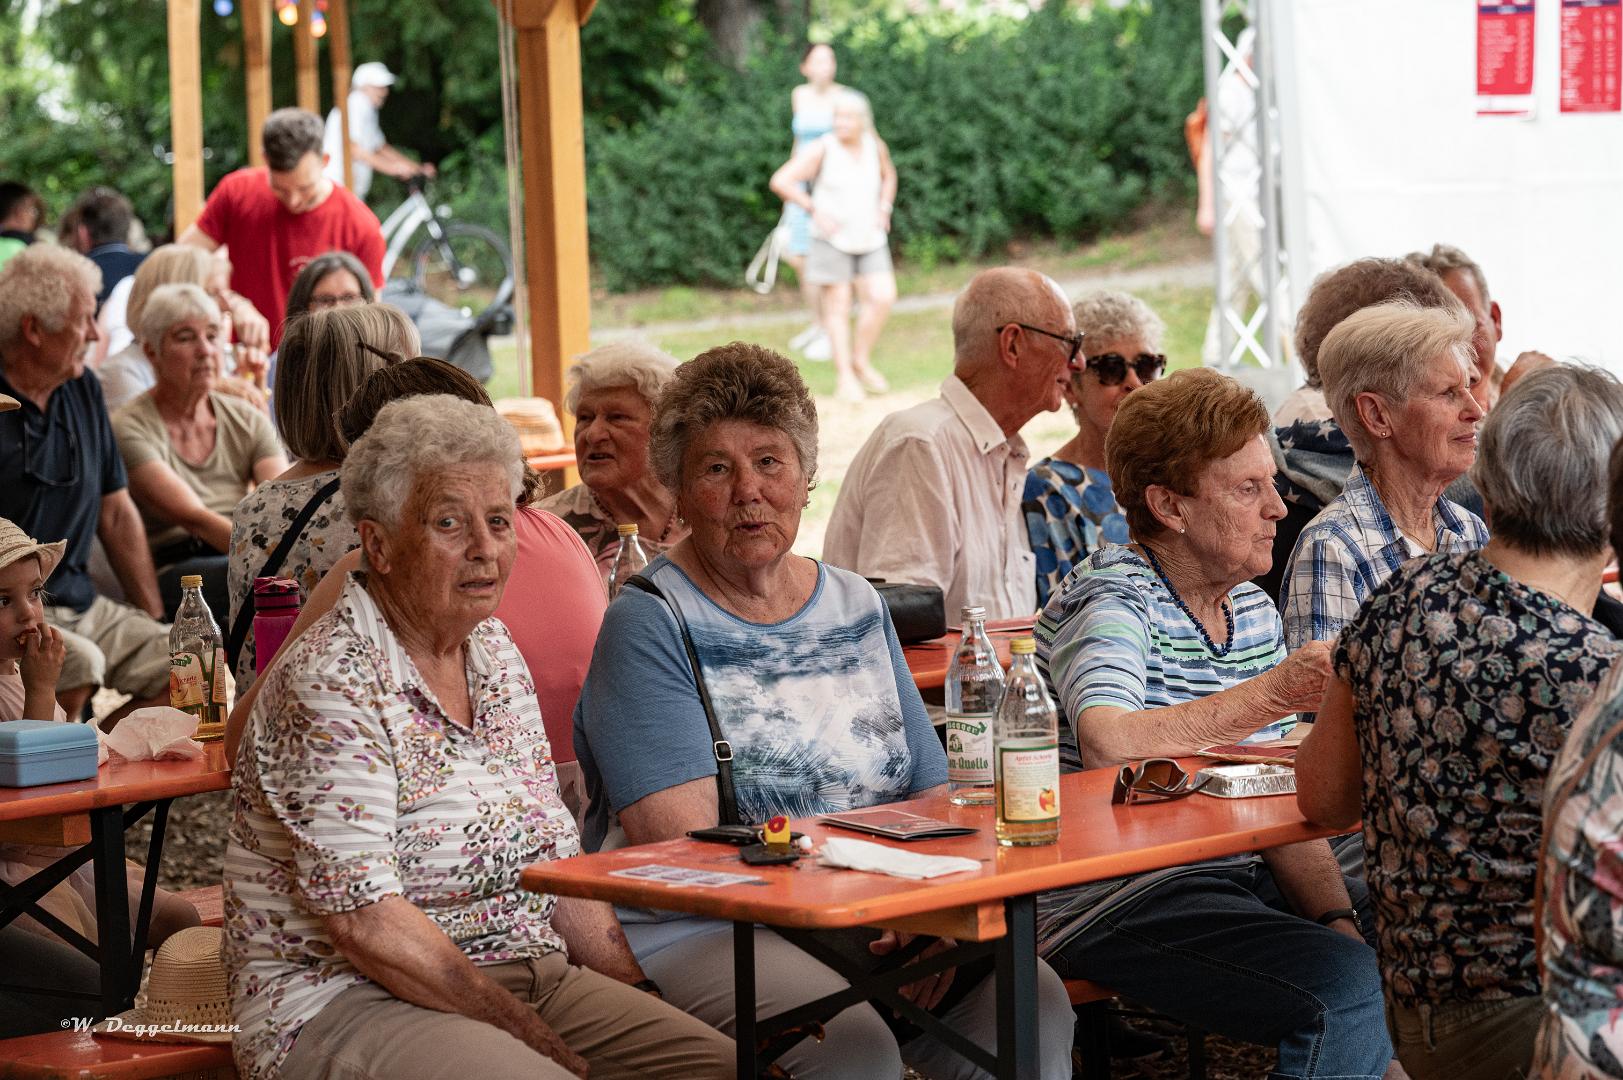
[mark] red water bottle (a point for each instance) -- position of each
(276, 608)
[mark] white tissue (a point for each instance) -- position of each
(155, 734)
(879, 859)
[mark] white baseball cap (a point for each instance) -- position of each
(372, 73)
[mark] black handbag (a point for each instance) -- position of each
(918, 612)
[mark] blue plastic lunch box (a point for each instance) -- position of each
(34, 752)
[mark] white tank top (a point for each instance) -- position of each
(847, 189)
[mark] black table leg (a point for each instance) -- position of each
(1017, 991)
(118, 976)
(744, 997)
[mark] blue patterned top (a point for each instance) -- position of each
(1465, 683)
(1070, 512)
(1582, 1034)
(820, 708)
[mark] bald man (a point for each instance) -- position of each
(933, 496)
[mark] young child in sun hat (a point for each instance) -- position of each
(31, 657)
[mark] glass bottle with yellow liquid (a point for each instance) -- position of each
(199, 677)
(1025, 731)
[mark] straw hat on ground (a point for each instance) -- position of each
(16, 544)
(186, 989)
(7, 403)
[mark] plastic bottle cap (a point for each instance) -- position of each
(627, 530)
(191, 581)
(1023, 646)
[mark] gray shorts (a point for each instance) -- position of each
(828, 265)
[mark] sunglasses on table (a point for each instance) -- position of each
(1071, 341)
(1112, 367)
(1155, 779)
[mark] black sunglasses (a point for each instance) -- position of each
(1073, 341)
(1159, 779)
(1112, 367)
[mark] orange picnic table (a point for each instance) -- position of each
(90, 818)
(992, 908)
(929, 660)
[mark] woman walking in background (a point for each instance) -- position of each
(812, 106)
(853, 188)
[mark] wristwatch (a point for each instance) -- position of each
(1337, 914)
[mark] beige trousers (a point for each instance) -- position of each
(621, 1032)
(1467, 1040)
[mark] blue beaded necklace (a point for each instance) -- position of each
(1228, 613)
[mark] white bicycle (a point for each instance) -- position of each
(465, 266)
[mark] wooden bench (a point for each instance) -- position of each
(209, 902)
(1092, 1003)
(79, 1055)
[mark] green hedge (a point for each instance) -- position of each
(1058, 125)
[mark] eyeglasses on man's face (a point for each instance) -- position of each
(1072, 341)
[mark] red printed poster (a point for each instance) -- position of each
(1504, 59)
(1590, 55)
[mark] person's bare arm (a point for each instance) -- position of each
(398, 947)
(198, 238)
(1329, 772)
(125, 540)
(1310, 880)
(269, 468)
(252, 332)
(156, 487)
(887, 184)
(667, 814)
(595, 938)
(1109, 735)
(800, 169)
(320, 601)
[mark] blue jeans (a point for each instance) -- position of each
(1220, 950)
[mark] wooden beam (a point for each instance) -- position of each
(342, 67)
(553, 143)
(307, 78)
(256, 56)
(186, 110)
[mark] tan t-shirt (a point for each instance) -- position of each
(243, 436)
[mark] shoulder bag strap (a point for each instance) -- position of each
(726, 794)
(295, 529)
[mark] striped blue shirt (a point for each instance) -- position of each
(1114, 636)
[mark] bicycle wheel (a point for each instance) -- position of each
(464, 267)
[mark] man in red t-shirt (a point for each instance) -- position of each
(276, 219)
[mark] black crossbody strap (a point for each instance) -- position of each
(295, 529)
(726, 794)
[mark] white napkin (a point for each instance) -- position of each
(879, 859)
(156, 734)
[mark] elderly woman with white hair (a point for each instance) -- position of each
(612, 393)
(1069, 508)
(1455, 687)
(1398, 378)
(191, 452)
(393, 781)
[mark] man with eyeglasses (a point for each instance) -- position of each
(61, 477)
(277, 218)
(933, 496)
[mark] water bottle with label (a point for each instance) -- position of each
(974, 684)
(1026, 739)
(629, 561)
(199, 677)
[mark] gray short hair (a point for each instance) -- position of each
(1445, 257)
(622, 363)
(738, 381)
(40, 281)
(417, 435)
(993, 299)
(1384, 350)
(170, 304)
(1542, 466)
(1109, 314)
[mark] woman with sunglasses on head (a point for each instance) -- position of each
(1068, 505)
(1157, 649)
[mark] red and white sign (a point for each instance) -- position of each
(1504, 59)
(1591, 55)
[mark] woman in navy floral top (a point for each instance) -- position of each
(1069, 508)
(1456, 686)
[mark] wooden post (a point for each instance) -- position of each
(186, 110)
(553, 144)
(307, 78)
(342, 68)
(256, 54)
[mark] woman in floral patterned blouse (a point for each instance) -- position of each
(1456, 686)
